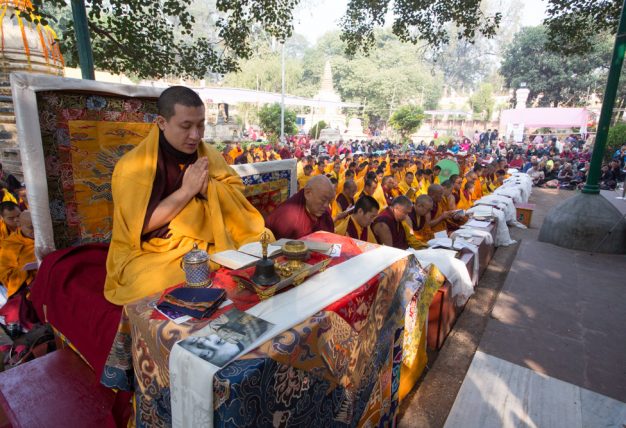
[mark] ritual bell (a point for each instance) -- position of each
(195, 264)
(265, 270)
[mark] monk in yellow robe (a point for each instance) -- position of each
(344, 201)
(439, 212)
(457, 218)
(499, 180)
(358, 224)
(170, 192)
(22, 198)
(348, 175)
(406, 186)
(9, 222)
(418, 218)
(478, 186)
(17, 251)
(320, 168)
(235, 152)
(371, 184)
(306, 176)
(427, 180)
(436, 172)
(467, 196)
(384, 193)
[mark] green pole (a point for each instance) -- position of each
(81, 29)
(591, 186)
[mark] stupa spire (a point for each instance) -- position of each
(327, 79)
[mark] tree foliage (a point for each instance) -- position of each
(415, 20)
(315, 130)
(615, 140)
(407, 119)
(393, 74)
(482, 101)
(570, 23)
(269, 119)
(194, 38)
(162, 37)
(555, 78)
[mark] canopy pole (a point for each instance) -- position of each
(592, 186)
(83, 41)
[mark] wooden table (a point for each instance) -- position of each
(443, 313)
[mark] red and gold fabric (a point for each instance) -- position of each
(352, 364)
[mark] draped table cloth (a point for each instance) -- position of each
(343, 366)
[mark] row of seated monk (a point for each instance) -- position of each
(173, 191)
(18, 264)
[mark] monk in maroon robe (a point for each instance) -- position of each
(388, 226)
(305, 212)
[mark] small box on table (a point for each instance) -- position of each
(524, 213)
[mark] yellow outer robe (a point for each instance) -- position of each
(424, 234)
(379, 195)
(465, 203)
(423, 190)
(235, 153)
(300, 169)
(8, 197)
(16, 251)
(341, 228)
(302, 181)
(226, 220)
(441, 208)
(4, 231)
(478, 189)
(404, 189)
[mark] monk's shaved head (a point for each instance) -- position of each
(424, 200)
(423, 204)
(435, 191)
(386, 180)
(319, 182)
(401, 201)
(350, 185)
(318, 194)
(26, 225)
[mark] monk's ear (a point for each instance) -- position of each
(161, 122)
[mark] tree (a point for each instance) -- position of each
(163, 37)
(466, 63)
(616, 139)
(482, 101)
(391, 75)
(269, 118)
(192, 38)
(315, 130)
(407, 119)
(415, 21)
(554, 78)
(570, 23)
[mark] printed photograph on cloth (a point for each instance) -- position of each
(224, 338)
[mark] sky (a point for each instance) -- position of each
(317, 17)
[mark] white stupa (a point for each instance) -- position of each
(329, 113)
